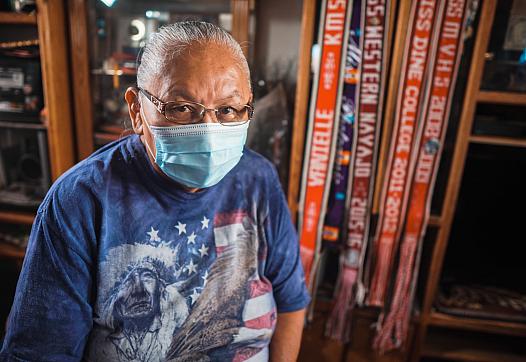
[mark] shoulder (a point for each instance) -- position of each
(259, 179)
(84, 181)
(254, 165)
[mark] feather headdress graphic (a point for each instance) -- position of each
(154, 308)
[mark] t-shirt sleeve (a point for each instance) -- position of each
(283, 267)
(51, 316)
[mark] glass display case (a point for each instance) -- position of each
(505, 68)
(116, 30)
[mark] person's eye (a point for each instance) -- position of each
(227, 111)
(183, 108)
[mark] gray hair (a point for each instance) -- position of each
(172, 40)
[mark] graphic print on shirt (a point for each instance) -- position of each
(182, 292)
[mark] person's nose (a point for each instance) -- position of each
(210, 116)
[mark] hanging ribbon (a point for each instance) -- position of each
(394, 330)
(375, 17)
(321, 137)
(417, 53)
(334, 219)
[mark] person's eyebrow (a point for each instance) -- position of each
(179, 93)
(235, 94)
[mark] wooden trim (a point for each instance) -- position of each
(509, 98)
(10, 17)
(483, 325)
(22, 125)
(240, 23)
(11, 251)
(81, 81)
(17, 217)
(498, 140)
(443, 346)
(301, 105)
(457, 168)
(396, 57)
(55, 73)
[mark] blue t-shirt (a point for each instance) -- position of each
(122, 265)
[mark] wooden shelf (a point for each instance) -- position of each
(446, 347)
(509, 98)
(11, 251)
(8, 17)
(17, 217)
(22, 125)
(481, 325)
(498, 140)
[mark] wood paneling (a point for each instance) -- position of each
(7, 17)
(240, 21)
(301, 105)
(52, 34)
(80, 72)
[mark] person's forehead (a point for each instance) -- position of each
(213, 67)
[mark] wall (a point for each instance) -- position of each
(277, 39)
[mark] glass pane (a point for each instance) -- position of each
(24, 166)
(505, 68)
(500, 120)
(117, 30)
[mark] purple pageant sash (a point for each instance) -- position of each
(337, 203)
(373, 70)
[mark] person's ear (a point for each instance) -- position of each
(132, 98)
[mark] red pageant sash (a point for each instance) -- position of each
(398, 172)
(394, 330)
(375, 17)
(322, 132)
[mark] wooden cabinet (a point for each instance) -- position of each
(483, 185)
(47, 25)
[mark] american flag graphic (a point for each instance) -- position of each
(259, 311)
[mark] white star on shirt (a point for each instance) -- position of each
(181, 227)
(194, 296)
(203, 250)
(191, 238)
(205, 277)
(191, 267)
(153, 235)
(204, 223)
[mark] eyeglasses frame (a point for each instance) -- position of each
(161, 108)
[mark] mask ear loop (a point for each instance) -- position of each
(148, 125)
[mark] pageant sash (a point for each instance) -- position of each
(321, 137)
(334, 218)
(375, 17)
(399, 169)
(394, 330)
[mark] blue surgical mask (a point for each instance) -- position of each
(198, 155)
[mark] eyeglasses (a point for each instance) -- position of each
(186, 112)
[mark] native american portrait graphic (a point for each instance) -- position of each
(183, 299)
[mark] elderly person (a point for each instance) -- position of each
(174, 243)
